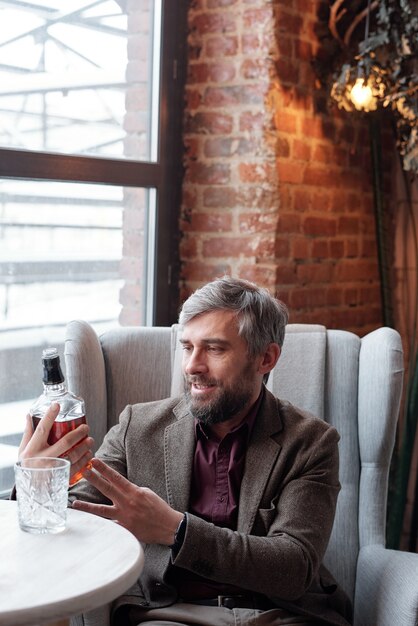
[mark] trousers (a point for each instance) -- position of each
(186, 614)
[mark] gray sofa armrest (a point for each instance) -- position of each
(386, 587)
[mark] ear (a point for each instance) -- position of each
(269, 358)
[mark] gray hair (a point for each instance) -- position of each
(261, 317)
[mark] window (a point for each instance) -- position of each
(90, 116)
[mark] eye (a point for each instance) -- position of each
(186, 348)
(216, 349)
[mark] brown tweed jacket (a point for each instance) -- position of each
(286, 509)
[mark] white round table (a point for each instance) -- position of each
(47, 577)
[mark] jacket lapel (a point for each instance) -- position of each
(262, 454)
(179, 445)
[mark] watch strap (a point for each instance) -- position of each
(179, 535)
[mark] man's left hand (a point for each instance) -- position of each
(140, 510)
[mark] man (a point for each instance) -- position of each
(232, 490)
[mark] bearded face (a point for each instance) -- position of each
(221, 381)
(212, 401)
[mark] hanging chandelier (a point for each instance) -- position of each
(384, 73)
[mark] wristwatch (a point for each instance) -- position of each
(179, 535)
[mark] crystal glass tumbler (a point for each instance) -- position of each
(42, 498)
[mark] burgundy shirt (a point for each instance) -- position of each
(218, 468)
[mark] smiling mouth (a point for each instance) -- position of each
(201, 385)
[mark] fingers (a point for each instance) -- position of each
(111, 475)
(103, 510)
(82, 453)
(107, 480)
(70, 440)
(80, 456)
(81, 464)
(35, 443)
(104, 486)
(43, 429)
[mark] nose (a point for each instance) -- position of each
(194, 362)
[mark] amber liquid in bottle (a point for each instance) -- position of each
(58, 430)
(72, 412)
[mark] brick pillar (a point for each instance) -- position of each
(277, 187)
(231, 194)
(136, 126)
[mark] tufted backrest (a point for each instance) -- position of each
(354, 384)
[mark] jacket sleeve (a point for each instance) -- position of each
(283, 563)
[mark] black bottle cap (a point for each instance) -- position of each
(52, 373)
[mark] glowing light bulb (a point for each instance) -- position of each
(362, 96)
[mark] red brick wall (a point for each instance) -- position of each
(277, 187)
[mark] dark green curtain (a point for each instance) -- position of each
(402, 458)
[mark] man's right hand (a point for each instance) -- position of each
(76, 446)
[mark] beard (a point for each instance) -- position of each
(227, 402)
